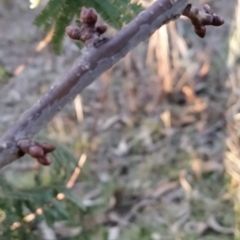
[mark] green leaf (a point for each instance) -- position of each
(60, 13)
(74, 199)
(60, 207)
(50, 12)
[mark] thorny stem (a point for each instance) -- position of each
(94, 60)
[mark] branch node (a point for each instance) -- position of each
(37, 150)
(88, 32)
(201, 17)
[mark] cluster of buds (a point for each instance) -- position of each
(201, 17)
(37, 150)
(88, 32)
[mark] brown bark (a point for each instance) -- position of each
(92, 62)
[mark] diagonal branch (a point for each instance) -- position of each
(92, 62)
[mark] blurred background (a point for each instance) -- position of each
(149, 151)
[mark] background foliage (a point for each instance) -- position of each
(160, 131)
(60, 13)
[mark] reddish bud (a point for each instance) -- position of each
(101, 29)
(201, 31)
(217, 21)
(47, 148)
(73, 32)
(88, 16)
(207, 8)
(201, 17)
(36, 151)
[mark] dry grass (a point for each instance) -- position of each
(161, 133)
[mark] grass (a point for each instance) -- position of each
(161, 171)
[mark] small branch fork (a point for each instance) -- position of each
(201, 17)
(98, 55)
(88, 32)
(36, 150)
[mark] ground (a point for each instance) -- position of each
(160, 129)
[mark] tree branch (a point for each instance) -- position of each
(92, 62)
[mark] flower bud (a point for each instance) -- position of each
(73, 32)
(101, 29)
(36, 152)
(88, 16)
